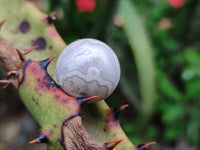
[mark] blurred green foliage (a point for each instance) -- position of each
(175, 47)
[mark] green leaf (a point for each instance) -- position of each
(168, 87)
(189, 73)
(172, 113)
(142, 52)
(151, 132)
(192, 134)
(192, 56)
(192, 89)
(171, 133)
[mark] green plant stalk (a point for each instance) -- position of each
(142, 52)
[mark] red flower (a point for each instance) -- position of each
(85, 5)
(176, 3)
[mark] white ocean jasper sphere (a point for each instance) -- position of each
(88, 67)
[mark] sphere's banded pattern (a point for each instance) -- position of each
(88, 67)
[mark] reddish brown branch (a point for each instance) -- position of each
(9, 59)
(75, 137)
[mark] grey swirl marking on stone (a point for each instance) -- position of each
(83, 90)
(91, 66)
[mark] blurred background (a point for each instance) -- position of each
(158, 46)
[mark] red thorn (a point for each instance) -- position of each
(21, 55)
(30, 49)
(51, 17)
(2, 22)
(33, 142)
(6, 82)
(144, 146)
(5, 86)
(14, 72)
(111, 145)
(118, 110)
(82, 100)
(123, 107)
(41, 139)
(51, 58)
(45, 62)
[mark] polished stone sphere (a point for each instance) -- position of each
(88, 67)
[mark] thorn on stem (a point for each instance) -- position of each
(41, 139)
(23, 53)
(82, 100)
(5, 86)
(44, 63)
(123, 107)
(144, 146)
(51, 17)
(6, 82)
(118, 110)
(14, 73)
(30, 49)
(2, 22)
(111, 145)
(51, 58)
